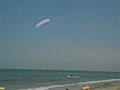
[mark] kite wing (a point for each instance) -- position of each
(42, 22)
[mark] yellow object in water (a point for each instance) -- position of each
(86, 88)
(2, 88)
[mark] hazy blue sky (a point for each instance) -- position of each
(82, 34)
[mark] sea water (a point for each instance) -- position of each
(20, 79)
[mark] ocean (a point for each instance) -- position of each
(23, 79)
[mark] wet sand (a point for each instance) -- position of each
(98, 86)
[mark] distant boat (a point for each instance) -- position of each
(73, 76)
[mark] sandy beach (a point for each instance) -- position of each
(99, 86)
(108, 86)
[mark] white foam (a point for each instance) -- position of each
(47, 87)
(101, 81)
(81, 83)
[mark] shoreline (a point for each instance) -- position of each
(115, 85)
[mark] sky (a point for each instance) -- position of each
(81, 35)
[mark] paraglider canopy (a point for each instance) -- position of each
(42, 22)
